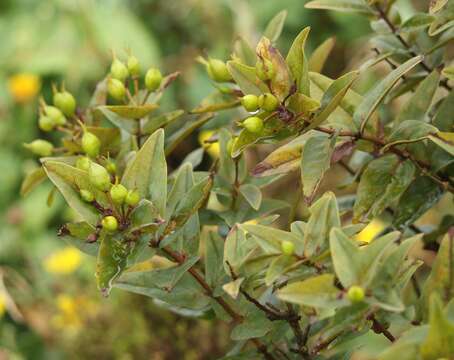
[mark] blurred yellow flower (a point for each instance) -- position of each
(24, 87)
(72, 311)
(371, 231)
(2, 305)
(212, 149)
(64, 261)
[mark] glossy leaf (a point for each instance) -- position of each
(318, 58)
(274, 28)
(246, 78)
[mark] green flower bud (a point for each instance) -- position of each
(153, 79)
(110, 223)
(250, 102)
(133, 66)
(111, 167)
(116, 89)
(118, 193)
(83, 163)
(118, 70)
(268, 102)
(264, 69)
(218, 71)
(132, 198)
(355, 294)
(40, 147)
(45, 123)
(287, 247)
(99, 177)
(253, 124)
(90, 144)
(87, 195)
(55, 115)
(65, 102)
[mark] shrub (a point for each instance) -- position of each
(208, 243)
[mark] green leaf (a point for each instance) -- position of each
(419, 103)
(274, 28)
(439, 342)
(226, 163)
(410, 130)
(272, 237)
(420, 196)
(318, 291)
(281, 82)
(244, 53)
(355, 6)
(129, 125)
(418, 21)
(76, 234)
(215, 102)
(376, 95)
(318, 58)
(284, 159)
(112, 256)
(354, 265)
(297, 62)
(154, 123)
(186, 130)
(440, 278)
(444, 20)
(278, 267)
(147, 172)
(324, 216)
(445, 140)
(145, 217)
(130, 111)
(383, 182)
(32, 180)
(448, 72)
(246, 78)
(237, 250)
(332, 98)
(184, 181)
(191, 202)
(252, 194)
(437, 5)
(69, 180)
(233, 288)
(255, 325)
(315, 161)
(214, 255)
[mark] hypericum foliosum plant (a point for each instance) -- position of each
(209, 243)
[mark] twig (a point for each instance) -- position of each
(378, 328)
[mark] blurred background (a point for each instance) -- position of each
(49, 305)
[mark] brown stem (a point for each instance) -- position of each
(378, 328)
(393, 29)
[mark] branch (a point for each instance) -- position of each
(228, 309)
(378, 328)
(394, 31)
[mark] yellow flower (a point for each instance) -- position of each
(371, 231)
(2, 306)
(24, 87)
(73, 312)
(212, 149)
(64, 261)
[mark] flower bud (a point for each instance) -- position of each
(264, 69)
(153, 79)
(250, 102)
(132, 198)
(118, 70)
(116, 89)
(40, 147)
(111, 167)
(355, 294)
(99, 177)
(287, 247)
(45, 123)
(268, 102)
(55, 115)
(118, 193)
(110, 223)
(65, 102)
(218, 71)
(133, 66)
(83, 163)
(253, 124)
(87, 195)
(90, 144)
